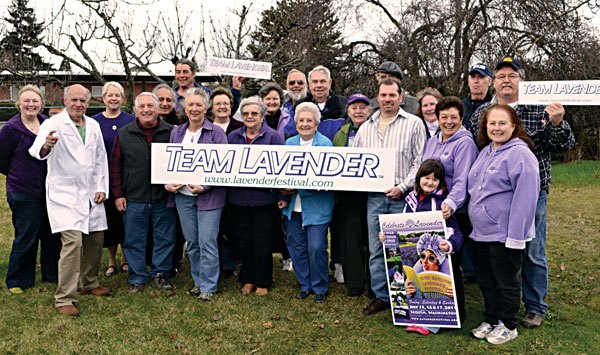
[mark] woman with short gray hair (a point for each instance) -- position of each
(254, 210)
(307, 214)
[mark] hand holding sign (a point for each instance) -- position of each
(556, 112)
(237, 81)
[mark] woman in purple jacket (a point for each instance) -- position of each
(25, 192)
(453, 145)
(254, 211)
(504, 183)
(199, 206)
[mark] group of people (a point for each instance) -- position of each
(484, 162)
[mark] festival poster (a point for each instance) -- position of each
(420, 280)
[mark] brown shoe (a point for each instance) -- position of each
(68, 310)
(532, 320)
(98, 291)
(247, 288)
(262, 291)
(375, 307)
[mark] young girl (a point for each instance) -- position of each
(429, 193)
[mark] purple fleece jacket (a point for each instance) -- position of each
(24, 173)
(457, 154)
(212, 197)
(504, 185)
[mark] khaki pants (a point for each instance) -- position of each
(78, 265)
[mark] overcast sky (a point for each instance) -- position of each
(200, 10)
(219, 10)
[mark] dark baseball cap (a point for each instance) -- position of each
(482, 69)
(509, 62)
(390, 68)
(358, 97)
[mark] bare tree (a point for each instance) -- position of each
(103, 38)
(231, 40)
(176, 39)
(436, 41)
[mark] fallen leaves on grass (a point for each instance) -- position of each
(268, 325)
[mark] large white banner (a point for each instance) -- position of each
(574, 92)
(239, 67)
(274, 166)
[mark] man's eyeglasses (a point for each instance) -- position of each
(510, 77)
(431, 258)
(294, 82)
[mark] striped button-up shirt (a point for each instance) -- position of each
(406, 135)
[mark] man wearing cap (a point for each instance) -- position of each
(480, 79)
(550, 133)
(390, 69)
(349, 224)
(389, 127)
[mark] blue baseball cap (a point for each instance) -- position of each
(482, 69)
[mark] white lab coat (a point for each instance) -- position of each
(75, 173)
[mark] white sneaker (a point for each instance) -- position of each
(287, 265)
(338, 274)
(482, 330)
(500, 334)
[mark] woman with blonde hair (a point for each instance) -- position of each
(110, 121)
(26, 195)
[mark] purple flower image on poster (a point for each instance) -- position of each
(420, 279)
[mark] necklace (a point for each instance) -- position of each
(33, 126)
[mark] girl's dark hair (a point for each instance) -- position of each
(519, 132)
(431, 166)
(449, 102)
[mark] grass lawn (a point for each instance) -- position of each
(161, 323)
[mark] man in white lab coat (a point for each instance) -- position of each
(76, 186)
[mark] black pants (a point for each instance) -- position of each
(349, 228)
(499, 275)
(280, 239)
(252, 229)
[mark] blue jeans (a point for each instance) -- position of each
(378, 203)
(30, 221)
(308, 250)
(535, 263)
(200, 229)
(136, 219)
